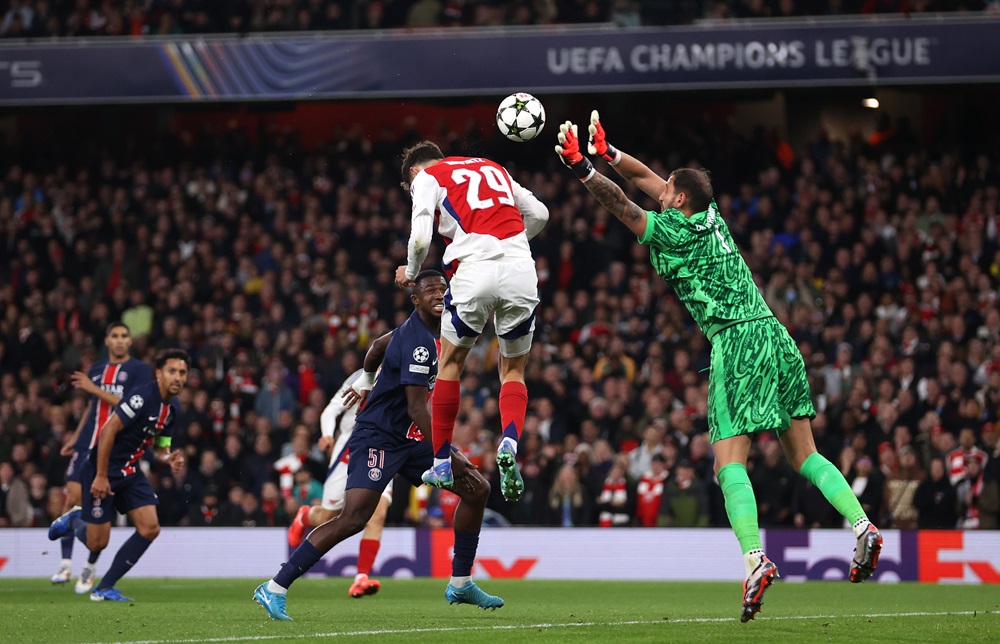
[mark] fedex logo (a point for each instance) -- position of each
(431, 558)
(827, 554)
(952, 555)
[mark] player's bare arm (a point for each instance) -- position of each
(416, 407)
(83, 382)
(613, 198)
(607, 192)
(101, 487)
(173, 458)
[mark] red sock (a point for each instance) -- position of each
(513, 407)
(366, 555)
(444, 410)
(305, 517)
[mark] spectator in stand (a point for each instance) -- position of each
(15, 510)
(970, 490)
(935, 499)
(567, 504)
(900, 487)
(685, 501)
(959, 458)
(649, 492)
(616, 502)
(772, 483)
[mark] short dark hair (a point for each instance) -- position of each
(696, 184)
(417, 154)
(429, 272)
(114, 325)
(171, 354)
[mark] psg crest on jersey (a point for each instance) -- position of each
(375, 474)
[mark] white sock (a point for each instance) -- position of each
(752, 559)
(66, 563)
(275, 588)
(860, 527)
(438, 461)
(90, 566)
(360, 577)
(509, 441)
(458, 582)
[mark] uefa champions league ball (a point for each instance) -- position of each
(520, 117)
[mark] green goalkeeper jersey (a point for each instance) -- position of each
(698, 257)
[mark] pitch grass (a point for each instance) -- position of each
(414, 610)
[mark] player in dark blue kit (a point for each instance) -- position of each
(388, 440)
(112, 479)
(106, 383)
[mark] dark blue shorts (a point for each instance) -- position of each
(376, 459)
(74, 471)
(130, 492)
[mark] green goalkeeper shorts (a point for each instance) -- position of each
(757, 380)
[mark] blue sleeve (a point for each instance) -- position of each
(132, 407)
(139, 374)
(416, 356)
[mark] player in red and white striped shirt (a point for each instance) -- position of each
(486, 219)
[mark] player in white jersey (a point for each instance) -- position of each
(336, 426)
(487, 219)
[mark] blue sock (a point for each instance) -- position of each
(510, 432)
(93, 556)
(304, 558)
(445, 451)
(66, 543)
(80, 530)
(466, 544)
(125, 558)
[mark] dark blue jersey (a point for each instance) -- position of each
(410, 360)
(147, 418)
(117, 379)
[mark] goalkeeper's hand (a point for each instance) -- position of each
(569, 152)
(598, 143)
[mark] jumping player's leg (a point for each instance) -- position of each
(515, 325)
(800, 449)
(147, 528)
(513, 408)
(473, 490)
(446, 398)
(469, 304)
(740, 403)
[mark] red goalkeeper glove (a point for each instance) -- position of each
(598, 143)
(569, 152)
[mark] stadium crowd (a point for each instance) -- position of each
(55, 18)
(271, 262)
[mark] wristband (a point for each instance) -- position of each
(583, 169)
(365, 381)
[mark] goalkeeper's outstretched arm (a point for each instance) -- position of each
(626, 165)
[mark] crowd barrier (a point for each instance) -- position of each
(539, 553)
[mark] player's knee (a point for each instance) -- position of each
(98, 543)
(149, 532)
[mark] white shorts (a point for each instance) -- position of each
(336, 476)
(505, 290)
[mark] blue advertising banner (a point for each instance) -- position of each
(468, 62)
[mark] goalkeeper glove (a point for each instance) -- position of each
(569, 152)
(598, 143)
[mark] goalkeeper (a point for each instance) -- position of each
(757, 378)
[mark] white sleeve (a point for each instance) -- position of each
(535, 213)
(328, 419)
(424, 192)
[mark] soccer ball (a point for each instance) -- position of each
(520, 117)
